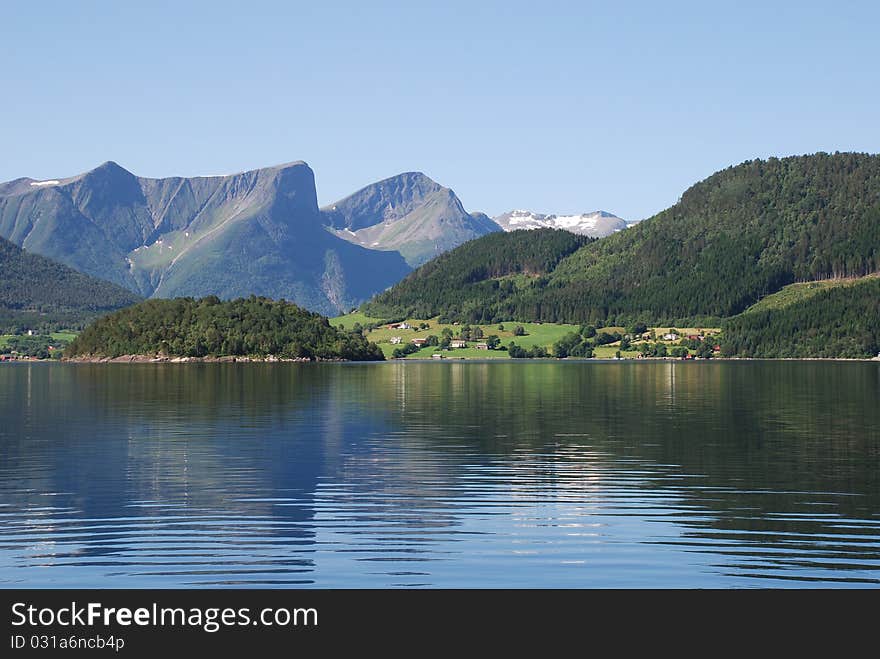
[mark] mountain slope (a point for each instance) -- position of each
(838, 321)
(474, 281)
(733, 238)
(597, 224)
(35, 289)
(408, 213)
(800, 292)
(739, 235)
(257, 232)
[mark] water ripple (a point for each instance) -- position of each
(418, 476)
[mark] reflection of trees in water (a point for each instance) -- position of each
(771, 425)
(784, 452)
(185, 460)
(259, 457)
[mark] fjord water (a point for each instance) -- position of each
(552, 474)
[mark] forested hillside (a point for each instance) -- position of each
(252, 327)
(473, 281)
(842, 321)
(741, 234)
(36, 292)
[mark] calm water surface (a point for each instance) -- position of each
(555, 474)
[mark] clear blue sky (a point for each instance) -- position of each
(551, 106)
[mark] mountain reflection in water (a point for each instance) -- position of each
(551, 474)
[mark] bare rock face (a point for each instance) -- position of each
(257, 232)
(409, 213)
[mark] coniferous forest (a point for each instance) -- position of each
(473, 282)
(838, 322)
(41, 294)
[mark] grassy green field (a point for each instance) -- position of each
(65, 336)
(537, 334)
(348, 321)
(794, 293)
(458, 353)
(610, 351)
(544, 334)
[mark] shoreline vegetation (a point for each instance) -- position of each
(259, 330)
(230, 359)
(168, 359)
(208, 329)
(432, 339)
(268, 331)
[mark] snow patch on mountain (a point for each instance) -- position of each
(596, 224)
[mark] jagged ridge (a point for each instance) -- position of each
(256, 232)
(409, 213)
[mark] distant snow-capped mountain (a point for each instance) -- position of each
(596, 225)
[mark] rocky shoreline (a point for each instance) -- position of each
(230, 359)
(167, 359)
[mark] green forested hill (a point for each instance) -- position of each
(842, 321)
(474, 281)
(36, 291)
(801, 292)
(739, 235)
(253, 327)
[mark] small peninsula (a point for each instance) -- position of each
(208, 329)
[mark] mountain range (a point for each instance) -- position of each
(256, 232)
(597, 224)
(734, 239)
